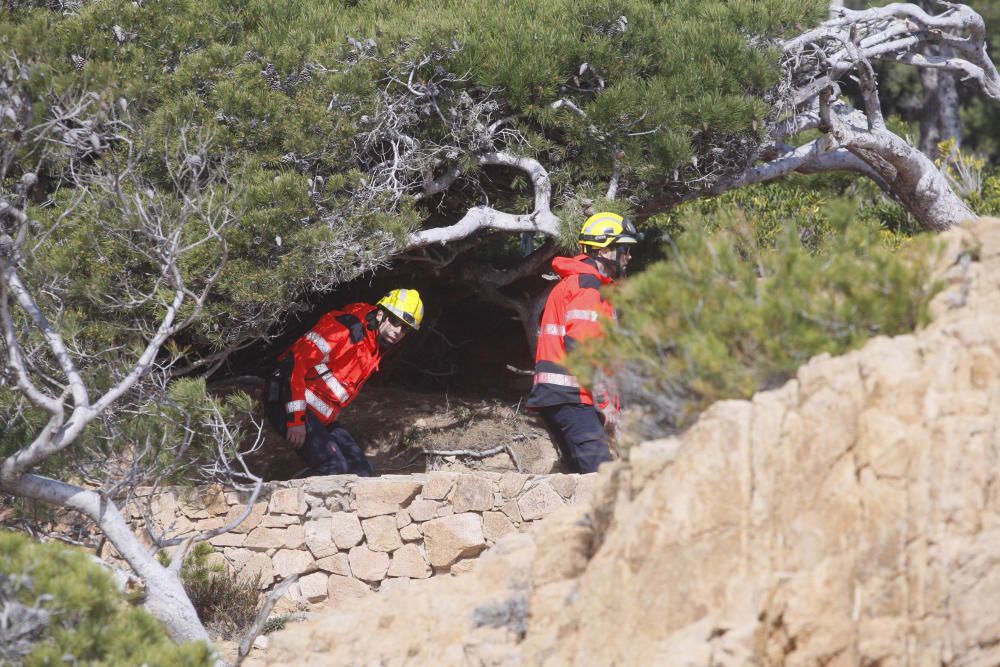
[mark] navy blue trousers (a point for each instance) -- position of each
(578, 432)
(328, 450)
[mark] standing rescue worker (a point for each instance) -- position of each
(578, 422)
(323, 371)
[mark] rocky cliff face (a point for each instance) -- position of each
(850, 517)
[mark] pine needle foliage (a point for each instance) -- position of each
(291, 94)
(740, 303)
(87, 621)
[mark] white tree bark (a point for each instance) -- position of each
(950, 43)
(899, 32)
(166, 598)
(541, 219)
(911, 176)
(946, 45)
(165, 595)
(51, 372)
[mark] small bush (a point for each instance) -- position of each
(730, 313)
(65, 609)
(226, 604)
(276, 623)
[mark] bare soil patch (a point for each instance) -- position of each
(397, 428)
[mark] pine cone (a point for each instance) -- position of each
(270, 74)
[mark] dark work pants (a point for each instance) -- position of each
(578, 432)
(328, 450)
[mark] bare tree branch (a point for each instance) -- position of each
(540, 220)
(246, 643)
(165, 596)
(808, 97)
(814, 157)
(56, 372)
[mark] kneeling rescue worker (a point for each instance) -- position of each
(578, 422)
(323, 371)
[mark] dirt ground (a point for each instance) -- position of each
(401, 431)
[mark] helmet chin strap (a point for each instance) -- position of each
(612, 267)
(619, 254)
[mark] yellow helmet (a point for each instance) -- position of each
(603, 229)
(406, 305)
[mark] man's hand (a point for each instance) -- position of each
(611, 416)
(296, 435)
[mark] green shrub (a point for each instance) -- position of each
(226, 604)
(71, 612)
(737, 308)
(276, 623)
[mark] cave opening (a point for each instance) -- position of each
(456, 384)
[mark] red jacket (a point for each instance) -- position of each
(332, 362)
(572, 314)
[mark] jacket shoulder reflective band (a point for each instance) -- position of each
(320, 342)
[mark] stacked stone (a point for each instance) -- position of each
(347, 536)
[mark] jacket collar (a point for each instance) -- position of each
(579, 265)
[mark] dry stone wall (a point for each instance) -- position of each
(347, 536)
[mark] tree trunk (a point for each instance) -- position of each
(166, 598)
(909, 174)
(939, 118)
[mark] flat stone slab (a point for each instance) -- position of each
(409, 561)
(288, 501)
(472, 493)
(319, 538)
(314, 586)
(452, 537)
(377, 496)
(345, 530)
(288, 562)
(496, 525)
(538, 502)
(381, 533)
(422, 509)
(345, 590)
(368, 565)
(438, 484)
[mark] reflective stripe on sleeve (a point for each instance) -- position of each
(320, 344)
(333, 383)
(337, 388)
(295, 406)
(554, 330)
(556, 378)
(317, 404)
(587, 315)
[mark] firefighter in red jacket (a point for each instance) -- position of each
(577, 420)
(322, 373)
